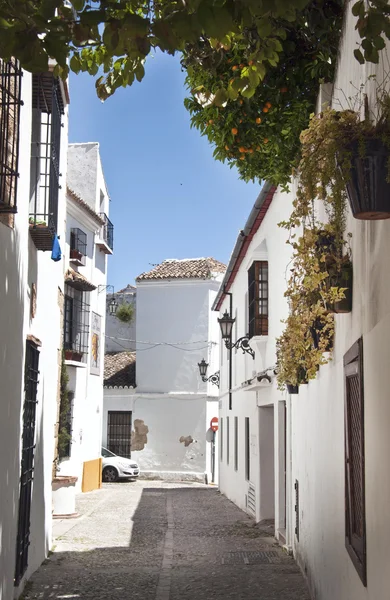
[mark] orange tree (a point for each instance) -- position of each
(253, 116)
(112, 38)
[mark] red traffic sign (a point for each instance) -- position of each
(214, 423)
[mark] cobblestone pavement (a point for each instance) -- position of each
(160, 541)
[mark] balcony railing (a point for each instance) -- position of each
(107, 233)
(76, 324)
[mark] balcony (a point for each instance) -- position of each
(78, 247)
(48, 109)
(106, 238)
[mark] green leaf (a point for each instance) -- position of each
(359, 56)
(78, 4)
(221, 97)
(75, 64)
(358, 8)
(139, 72)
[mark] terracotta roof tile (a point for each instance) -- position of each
(119, 369)
(78, 281)
(187, 268)
(85, 206)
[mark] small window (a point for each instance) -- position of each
(227, 440)
(236, 443)
(247, 450)
(258, 298)
(78, 246)
(10, 102)
(221, 440)
(355, 514)
(76, 324)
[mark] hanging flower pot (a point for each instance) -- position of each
(292, 389)
(343, 279)
(316, 332)
(367, 186)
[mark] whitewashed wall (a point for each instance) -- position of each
(318, 411)
(268, 243)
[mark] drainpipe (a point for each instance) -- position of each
(230, 351)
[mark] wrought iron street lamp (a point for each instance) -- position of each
(226, 324)
(112, 306)
(214, 378)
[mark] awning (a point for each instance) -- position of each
(78, 281)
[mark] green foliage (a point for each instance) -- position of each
(112, 38)
(253, 112)
(63, 434)
(125, 313)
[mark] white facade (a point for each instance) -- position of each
(175, 330)
(119, 335)
(30, 300)
(84, 236)
(300, 438)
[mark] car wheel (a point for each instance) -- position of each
(110, 474)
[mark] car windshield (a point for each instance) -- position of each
(107, 453)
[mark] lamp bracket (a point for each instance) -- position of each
(102, 288)
(243, 344)
(214, 378)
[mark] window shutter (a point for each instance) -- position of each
(355, 518)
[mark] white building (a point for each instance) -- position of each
(171, 408)
(288, 460)
(33, 154)
(89, 241)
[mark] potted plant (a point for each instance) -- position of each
(73, 355)
(342, 280)
(36, 222)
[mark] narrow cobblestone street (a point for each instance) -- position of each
(159, 541)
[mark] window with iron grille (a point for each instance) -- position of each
(296, 508)
(107, 231)
(65, 426)
(78, 245)
(10, 103)
(258, 298)
(76, 324)
(227, 440)
(31, 373)
(48, 109)
(355, 513)
(119, 427)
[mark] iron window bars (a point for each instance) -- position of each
(76, 324)
(66, 424)
(258, 298)
(10, 103)
(48, 109)
(119, 432)
(78, 245)
(27, 462)
(107, 231)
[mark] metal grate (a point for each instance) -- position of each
(45, 159)
(78, 246)
(66, 424)
(251, 504)
(251, 558)
(10, 103)
(296, 508)
(76, 324)
(119, 432)
(355, 436)
(107, 231)
(27, 462)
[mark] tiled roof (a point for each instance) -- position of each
(85, 206)
(78, 281)
(129, 289)
(187, 268)
(119, 369)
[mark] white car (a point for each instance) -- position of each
(117, 467)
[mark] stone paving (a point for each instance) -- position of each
(160, 541)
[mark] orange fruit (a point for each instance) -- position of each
(241, 101)
(242, 157)
(211, 122)
(234, 68)
(250, 63)
(226, 147)
(258, 120)
(283, 90)
(242, 149)
(266, 140)
(268, 104)
(234, 131)
(240, 120)
(250, 150)
(265, 109)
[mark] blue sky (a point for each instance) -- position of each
(170, 199)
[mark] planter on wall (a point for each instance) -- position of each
(76, 255)
(367, 187)
(315, 331)
(72, 355)
(292, 389)
(343, 280)
(64, 496)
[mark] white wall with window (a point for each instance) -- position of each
(84, 319)
(30, 318)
